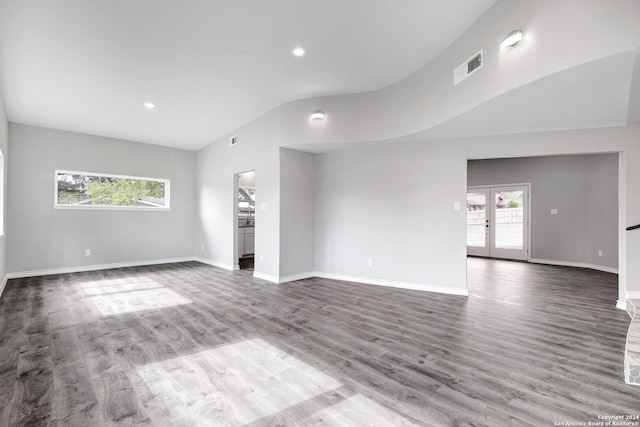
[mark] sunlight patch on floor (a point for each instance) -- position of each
(240, 383)
(356, 411)
(243, 383)
(111, 286)
(126, 295)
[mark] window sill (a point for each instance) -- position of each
(112, 208)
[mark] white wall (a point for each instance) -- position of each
(297, 213)
(393, 204)
(634, 97)
(43, 238)
(4, 147)
(631, 167)
(584, 189)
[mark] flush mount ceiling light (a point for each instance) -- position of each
(512, 39)
(149, 105)
(317, 115)
(298, 51)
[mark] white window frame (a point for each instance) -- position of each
(167, 193)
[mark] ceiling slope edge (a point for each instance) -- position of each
(428, 99)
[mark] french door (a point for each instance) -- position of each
(498, 221)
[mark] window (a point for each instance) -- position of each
(86, 190)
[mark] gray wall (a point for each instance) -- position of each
(584, 189)
(297, 212)
(4, 147)
(43, 238)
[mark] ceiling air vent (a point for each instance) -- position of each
(233, 140)
(467, 68)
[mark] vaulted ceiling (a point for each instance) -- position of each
(208, 66)
(596, 94)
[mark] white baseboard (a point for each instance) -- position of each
(394, 284)
(365, 280)
(3, 284)
(267, 277)
(283, 279)
(78, 269)
(217, 264)
(621, 304)
(575, 264)
(294, 277)
(633, 295)
(632, 308)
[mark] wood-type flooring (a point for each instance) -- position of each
(192, 345)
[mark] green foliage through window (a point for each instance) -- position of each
(85, 189)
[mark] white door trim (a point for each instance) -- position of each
(482, 251)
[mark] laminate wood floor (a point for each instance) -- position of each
(187, 345)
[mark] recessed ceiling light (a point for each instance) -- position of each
(298, 51)
(149, 105)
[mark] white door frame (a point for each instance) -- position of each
(490, 187)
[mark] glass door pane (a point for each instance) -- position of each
(476, 219)
(509, 219)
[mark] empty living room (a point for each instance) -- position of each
(338, 213)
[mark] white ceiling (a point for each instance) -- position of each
(592, 95)
(210, 66)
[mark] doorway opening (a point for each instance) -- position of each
(246, 219)
(569, 214)
(498, 221)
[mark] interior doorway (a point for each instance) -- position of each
(246, 219)
(576, 210)
(498, 221)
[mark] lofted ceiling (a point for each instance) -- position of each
(210, 66)
(601, 93)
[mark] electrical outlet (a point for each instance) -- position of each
(202, 247)
(87, 252)
(456, 206)
(261, 258)
(554, 211)
(370, 262)
(600, 252)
